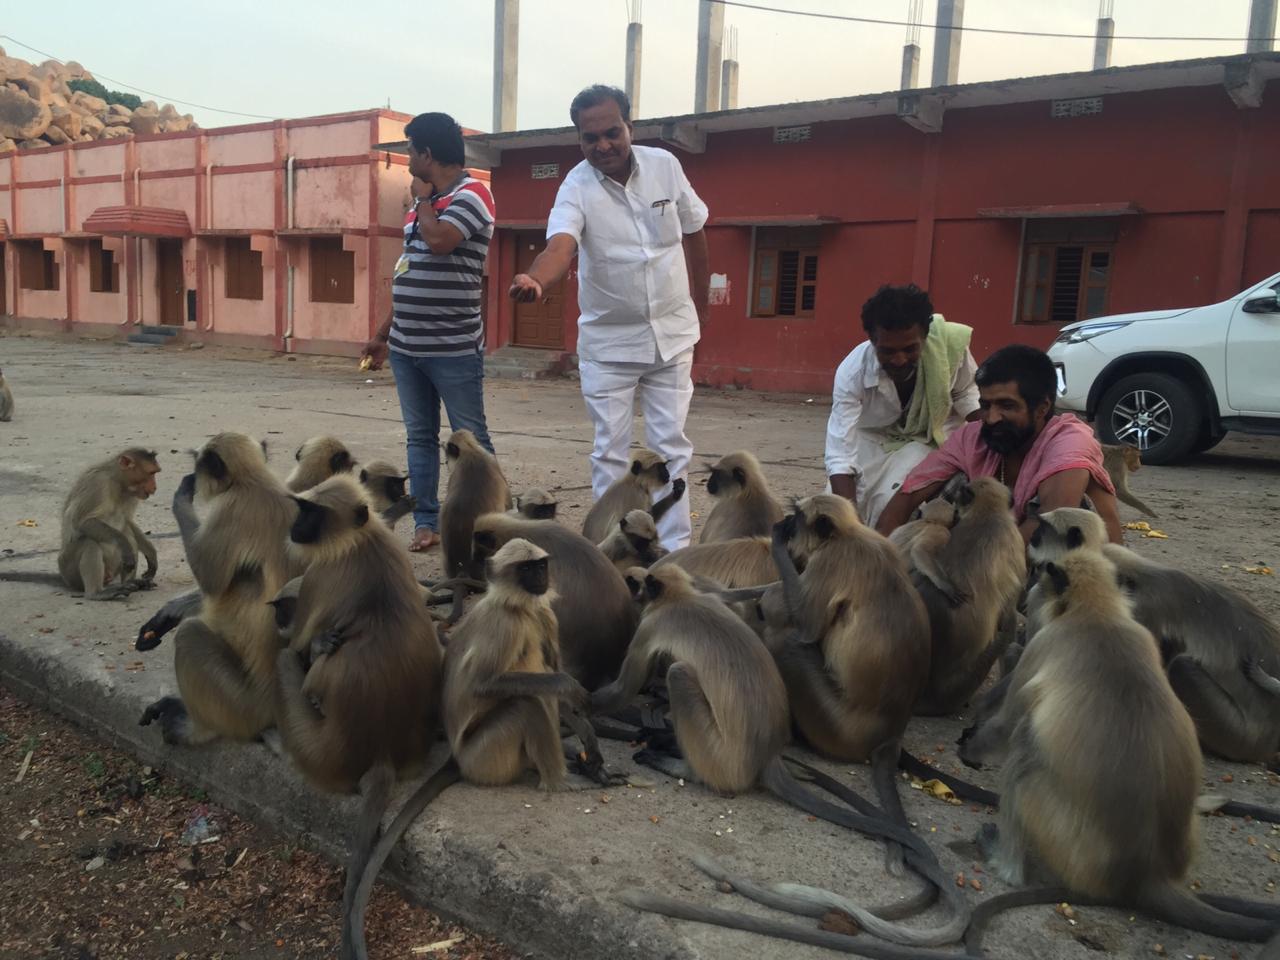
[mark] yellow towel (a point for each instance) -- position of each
(944, 349)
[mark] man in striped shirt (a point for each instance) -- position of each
(434, 335)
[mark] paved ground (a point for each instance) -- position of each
(542, 872)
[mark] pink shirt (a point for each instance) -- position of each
(1066, 443)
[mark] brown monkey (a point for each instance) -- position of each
(1120, 460)
(1207, 633)
(744, 506)
(374, 661)
(1101, 769)
(100, 541)
(634, 542)
(970, 579)
(634, 490)
(225, 658)
(476, 487)
(318, 459)
(593, 606)
(6, 400)
(537, 504)
(384, 486)
(729, 710)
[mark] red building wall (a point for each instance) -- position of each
(907, 203)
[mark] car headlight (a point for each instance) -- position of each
(1089, 331)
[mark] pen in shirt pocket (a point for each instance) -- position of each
(661, 206)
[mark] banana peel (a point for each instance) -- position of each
(937, 789)
(366, 362)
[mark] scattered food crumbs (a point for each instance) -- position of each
(27, 523)
(1066, 911)
(604, 798)
(960, 879)
(975, 883)
(437, 947)
(1261, 570)
(1227, 778)
(1159, 949)
(1140, 525)
(528, 806)
(719, 834)
(654, 819)
(812, 819)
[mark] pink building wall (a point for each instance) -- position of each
(227, 182)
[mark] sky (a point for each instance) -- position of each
(284, 58)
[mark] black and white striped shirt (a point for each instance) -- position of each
(437, 298)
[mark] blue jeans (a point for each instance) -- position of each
(421, 383)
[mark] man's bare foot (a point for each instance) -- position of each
(424, 538)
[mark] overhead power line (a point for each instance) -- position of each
(129, 86)
(967, 29)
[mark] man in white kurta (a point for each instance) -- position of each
(636, 226)
(914, 362)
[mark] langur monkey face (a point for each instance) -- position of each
(314, 521)
(725, 480)
(534, 576)
(659, 470)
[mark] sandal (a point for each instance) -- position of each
(424, 538)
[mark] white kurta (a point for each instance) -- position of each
(864, 402)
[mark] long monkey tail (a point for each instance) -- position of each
(353, 942)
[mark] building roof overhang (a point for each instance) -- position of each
(1047, 211)
(124, 221)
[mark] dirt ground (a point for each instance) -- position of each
(81, 400)
(103, 857)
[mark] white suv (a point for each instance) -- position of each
(1173, 382)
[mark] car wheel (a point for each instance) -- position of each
(1207, 441)
(1155, 412)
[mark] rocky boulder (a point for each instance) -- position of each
(66, 120)
(113, 133)
(21, 117)
(57, 136)
(145, 120)
(92, 126)
(88, 103)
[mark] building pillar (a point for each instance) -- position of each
(946, 42)
(635, 31)
(910, 66)
(506, 51)
(1262, 26)
(706, 85)
(729, 86)
(1102, 43)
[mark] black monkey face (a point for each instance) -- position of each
(1037, 538)
(309, 523)
(534, 576)
(483, 545)
(393, 488)
(664, 474)
(285, 610)
(543, 511)
(451, 450)
(715, 482)
(341, 462)
(211, 465)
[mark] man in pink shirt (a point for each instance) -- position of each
(1046, 459)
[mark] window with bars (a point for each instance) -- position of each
(333, 271)
(37, 269)
(242, 270)
(786, 273)
(104, 272)
(1066, 271)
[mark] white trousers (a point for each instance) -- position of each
(881, 473)
(665, 390)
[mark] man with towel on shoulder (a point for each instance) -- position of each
(897, 397)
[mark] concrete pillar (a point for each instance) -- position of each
(729, 86)
(506, 53)
(634, 32)
(1262, 26)
(706, 84)
(946, 42)
(910, 66)
(1102, 43)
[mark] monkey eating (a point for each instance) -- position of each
(318, 459)
(744, 506)
(537, 504)
(363, 711)
(225, 657)
(633, 542)
(1101, 768)
(100, 541)
(384, 485)
(634, 490)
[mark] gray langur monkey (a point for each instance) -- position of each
(358, 686)
(634, 490)
(634, 542)
(225, 658)
(594, 612)
(318, 459)
(1101, 769)
(742, 562)
(100, 541)
(476, 487)
(384, 485)
(537, 504)
(6, 400)
(729, 710)
(1220, 650)
(970, 578)
(744, 506)
(1120, 460)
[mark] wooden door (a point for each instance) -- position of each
(170, 285)
(539, 324)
